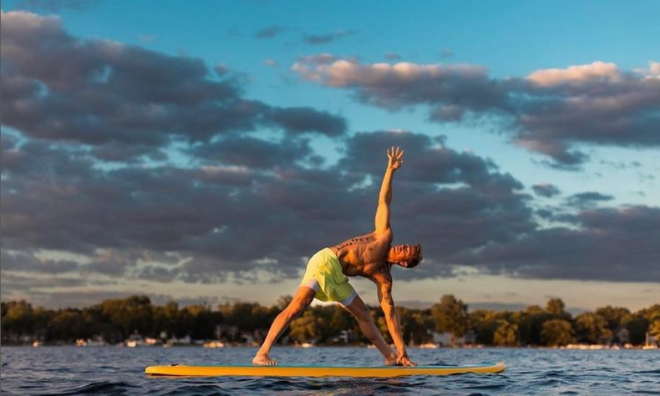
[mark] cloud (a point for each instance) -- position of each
(125, 101)
(269, 32)
(249, 153)
(578, 75)
(251, 198)
(588, 198)
(316, 39)
(607, 244)
(551, 111)
(546, 190)
(26, 262)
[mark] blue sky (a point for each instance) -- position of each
(603, 171)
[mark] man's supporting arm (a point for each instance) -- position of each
(393, 324)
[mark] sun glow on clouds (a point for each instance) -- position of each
(575, 74)
(344, 73)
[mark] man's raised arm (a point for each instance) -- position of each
(394, 156)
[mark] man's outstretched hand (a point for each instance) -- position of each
(405, 361)
(395, 158)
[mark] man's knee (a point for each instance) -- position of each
(362, 315)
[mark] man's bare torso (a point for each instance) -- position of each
(366, 255)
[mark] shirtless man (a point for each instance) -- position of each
(371, 256)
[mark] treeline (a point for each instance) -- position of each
(116, 320)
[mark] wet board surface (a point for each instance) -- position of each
(319, 371)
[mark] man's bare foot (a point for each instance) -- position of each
(263, 360)
(390, 361)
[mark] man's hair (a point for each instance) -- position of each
(413, 262)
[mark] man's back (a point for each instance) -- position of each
(364, 255)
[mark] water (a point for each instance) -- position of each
(119, 371)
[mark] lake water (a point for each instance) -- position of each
(119, 371)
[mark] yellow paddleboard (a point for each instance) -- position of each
(319, 371)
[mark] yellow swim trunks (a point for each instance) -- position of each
(325, 277)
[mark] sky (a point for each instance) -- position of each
(203, 151)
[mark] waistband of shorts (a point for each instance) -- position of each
(330, 252)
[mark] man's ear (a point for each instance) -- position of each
(403, 264)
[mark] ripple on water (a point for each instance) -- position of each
(201, 390)
(102, 388)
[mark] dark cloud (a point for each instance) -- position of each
(588, 198)
(297, 120)
(606, 244)
(269, 32)
(546, 190)
(251, 201)
(125, 101)
(255, 153)
(550, 111)
(316, 39)
(26, 262)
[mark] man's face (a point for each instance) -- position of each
(404, 253)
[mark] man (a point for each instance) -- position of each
(371, 256)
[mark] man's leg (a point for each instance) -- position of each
(297, 306)
(361, 312)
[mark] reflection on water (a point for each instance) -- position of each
(119, 371)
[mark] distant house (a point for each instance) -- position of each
(622, 336)
(445, 339)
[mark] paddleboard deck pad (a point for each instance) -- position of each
(176, 370)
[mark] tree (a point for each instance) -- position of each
(592, 328)
(557, 332)
(450, 315)
(555, 307)
(506, 334)
(637, 325)
(129, 314)
(613, 315)
(17, 319)
(307, 328)
(654, 329)
(531, 324)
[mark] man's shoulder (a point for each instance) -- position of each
(384, 235)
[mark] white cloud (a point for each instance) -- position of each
(575, 74)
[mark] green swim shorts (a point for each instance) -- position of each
(324, 275)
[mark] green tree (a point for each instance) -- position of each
(18, 320)
(557, 332)
(555, 307)
(506, 334)
(637, 325)
(450, 315)
(592, 328)
(307, 328)
(614, 316)
(129, 315)
(531, 325)
(654, 328)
